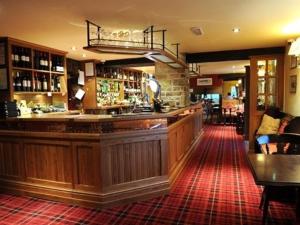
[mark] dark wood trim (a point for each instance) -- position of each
(242, 54)
(231, 76)
(133, 62)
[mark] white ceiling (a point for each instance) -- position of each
(61, 24)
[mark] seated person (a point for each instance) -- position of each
(229, 97)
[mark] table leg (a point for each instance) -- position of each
(297, 207)
(265, 204)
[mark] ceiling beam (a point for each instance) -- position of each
(231, 55)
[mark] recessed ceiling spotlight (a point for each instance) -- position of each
(73, 48)
(236, 30)
(84, 55)
(197, 30)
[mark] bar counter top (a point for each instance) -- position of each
(75, 116)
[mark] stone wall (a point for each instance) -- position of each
(174, 84)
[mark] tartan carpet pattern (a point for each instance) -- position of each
(216, 187)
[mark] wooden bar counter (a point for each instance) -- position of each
(97, 160)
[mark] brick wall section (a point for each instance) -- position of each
(174, 84)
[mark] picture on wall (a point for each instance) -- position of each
(293, 83)
(293, 62)
(204, 81)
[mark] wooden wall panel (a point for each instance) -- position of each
(11, 159)
(132, 161)
(48, 161)
(87, 164)
(181, 137)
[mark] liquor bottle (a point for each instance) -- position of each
(52, 84)
(27, 58)
(46, 61)
(44, 84)
(24, 82)
(23, 58)
(34, 84)
(13, 50)
(17, 57)
(38, 84)
(54, 62)
(61, 64)
(41, 61)
(18, 82)
(58, 83)
(29, 83)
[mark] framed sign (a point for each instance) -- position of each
(89, 69)
(204, 81)
(293, 84)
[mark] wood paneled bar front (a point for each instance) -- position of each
(97, 160)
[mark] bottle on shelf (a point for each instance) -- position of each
(52, 84)
(36, 60)
(24, 82)
(46, 61)
(22, 58)
(13, 50)
(18, 84)
(27, 58)
(34, 83)
(42, 61)
(57, 84)
(38, 84)
(44, 83)
(57, 63)
(17, 57)
(29, 82)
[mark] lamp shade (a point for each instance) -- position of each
(295, 48)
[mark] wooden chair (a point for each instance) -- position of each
(229, 110)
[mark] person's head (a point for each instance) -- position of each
(229, 94)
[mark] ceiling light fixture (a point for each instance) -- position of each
(292, 28)
(197, 31)
(73, 48)
(236, 30)
(84, 55)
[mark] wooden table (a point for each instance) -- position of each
(276, 170)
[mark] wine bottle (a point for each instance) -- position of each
(24, 82)
(44, 84)
(34, 84)
(52, 83)
(27, 58)
(36, 60)
(39, 84)
(41, 61)
(13, 49)
(17, 57)
(23, 58)
(29, 83)
(18, 82)
(46, 62)
(58, 83)
(53, 67)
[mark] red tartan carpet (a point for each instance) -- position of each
(215, 188)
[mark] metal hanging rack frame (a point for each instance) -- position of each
(147, 46)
